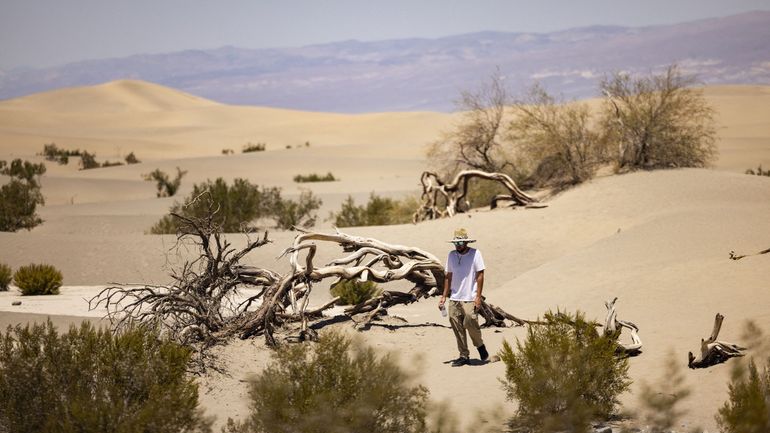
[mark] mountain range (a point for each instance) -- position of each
(429, 74)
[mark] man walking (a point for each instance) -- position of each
(465, 280)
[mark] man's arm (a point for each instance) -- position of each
(479, 288)
(447, 288)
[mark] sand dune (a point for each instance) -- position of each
(657, 240)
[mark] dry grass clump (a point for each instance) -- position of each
(6, 275)
(36, 279)
(353, 292)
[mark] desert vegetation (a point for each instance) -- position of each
(91, 380)
(377, 211)
(165, 185)
(235, 207)
(20, 196)
(38, 279)
(6, 276)
(51, 152)
(315, 177)
(253, 147)
(336, 385)
(354, 292)
(132, 159)
(655, 121)
(758, 172)
(563, 375)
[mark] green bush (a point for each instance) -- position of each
(748, 407)
(235, 206)
(314, 177)
(661, 403)
(564, 375)
(5, 277)
(249, 147)
(290, 213)
(89, 380)
(378, 211)
(38, 280)
(166, 187)
(353, 292)
(336, 385)
(52, 153)
(20, 196)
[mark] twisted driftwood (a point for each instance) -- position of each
(441, 199)
(712, 351)
(614, 326)
(204, 304)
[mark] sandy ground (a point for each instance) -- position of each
(659, 241)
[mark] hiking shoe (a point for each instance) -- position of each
(483, 354)
(459, 362)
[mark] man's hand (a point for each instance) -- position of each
(477, 304)
(441, 303)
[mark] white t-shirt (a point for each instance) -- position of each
(464, 268)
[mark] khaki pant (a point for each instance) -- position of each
(463, 318)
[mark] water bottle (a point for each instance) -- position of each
(443, 311)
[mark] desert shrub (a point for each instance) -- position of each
(661, 403)
(249, 147)
(377, 211)
(20, 196)
(563, 375)
(111, 164)
(88, 161)
(556, 138)
(132, 159)
(314, 177)
(759, 171)
(5, 277)
(90, 380)
(659, 121)
(235, 206)
(301, 213)
(166, 187)
(38, 280)
(353, 292)
(52, 153)
(337, 385)
(748, 407)
(227, 151)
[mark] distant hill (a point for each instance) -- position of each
(428, 74)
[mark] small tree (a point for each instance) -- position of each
(563, 375)
(659, 121)
(336, 385)
(479, 140)
(89, 380)
(19, 197)
(166, 187)
(556, 138)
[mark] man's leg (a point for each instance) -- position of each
(471, 324)
(457, 318)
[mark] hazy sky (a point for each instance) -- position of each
(40, 33)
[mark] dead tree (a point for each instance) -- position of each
(734, 256)
(201, 301)
(441, 199)
(712, 351)
(204, 303)
(614, 326)
(367, 260)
